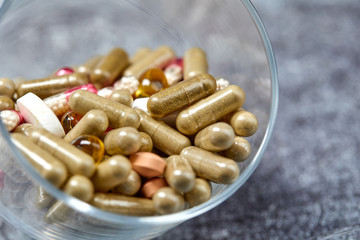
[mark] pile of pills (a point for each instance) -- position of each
(137, 136)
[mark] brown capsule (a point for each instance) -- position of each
(209, 110)
(122, 204)
(6, 103)
(47, 87)
(7, 87)
(109, 68)
(211, 166)
(195, 62)
(122, 96)
(239, 151)
(76, 161)
(181, 95)
(200, 193)
(111, 172)
(244, 123)
(94, 122)
(130, 186)
(88, 66)
(123, 141)
(158, 58)
(167, 200)
(119, 115)
(47, 165)
(146, 143)
(24, 128)
(43, 199)
(215, 137)
(179, 174)
(139, 54)
(164, 137)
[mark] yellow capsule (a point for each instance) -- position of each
(146, 143)
(109, 68)
(200, 193)
(91, 145)
(209, 110)
(164, 137)
(139, 54)
(158, 58)
(111, 172)
(122, 204)
(76, 161)
(123, 141)
(47, 87)
(89, 65)
(239, 151)
(211, 166)
(167, 200)
(215, 137)
(195, 62)
(7, 87)
(181, 95)
(244, 123)
(151, 81)
(47, 165)
(6, 103)
(130, 186)
(94, 122)
(69, 120)
(119, 115)
(179, 174)
(122, 96)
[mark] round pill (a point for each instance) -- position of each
(148, 164)
(152, 186)
(167, 200)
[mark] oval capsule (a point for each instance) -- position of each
(239, 151)
(181, 95)
(6, 103)
(210, 109)
(119, 115)
(88, 66)
(200, 193)
(91, 145)
(11, 119)
(146, 143)
(211, 166)
(43, 199)
(47, 87)
(130, 186)
(245, 123)
(167, 200)
(123, 141)
(7, 87)
(24, 128)
(195, 62)
(122, 96)
(139, 54)
(179, 174)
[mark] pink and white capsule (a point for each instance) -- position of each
(11, 119)
(130, 83)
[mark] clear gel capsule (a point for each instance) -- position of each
(91, 145)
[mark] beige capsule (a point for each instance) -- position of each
(245, 123)
(215, 137)
(209, 110)
(195, 62)
(119, 115)
(158, 58)
(6, 103)
(47, 165)
(200, 193)
(7, 87)
(167, 200)
(89, 65)
(181, 95)
(139, 54)
(122, 96)
(47, 87)
(164, 137)
(122, 204)
(123, 141)
(179, 174)
(24, 128)
(111, 172)
(130, 186)
(94, 122)
(76, 161)
(211, 166)
(43, 199)
(239, 151)
(109, 68)
(146, 143)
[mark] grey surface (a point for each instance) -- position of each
(307, 185)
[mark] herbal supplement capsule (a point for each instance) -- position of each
(11, 119)
(146, 143)
(7, 87)
(239, 150)
(139, 54)
(181, 95)
(215, 137)
(158, 58)
(24, 128)
(179, 174)
(91, 145)
(164, 137)
(152, 185)
(76, 161)
(47, 87)
(244, 123)
(122, 204)
(147, 164)
(69, 120)
(167, 200)
(89, 65)
(47, 165)
(200, 193)
(209, 110)
(130, 186)
(151, 81)
(43, 198)
(195, 62)
(109, 68)
(123, 141)
(118, 114)
(94, 122)
(6, 103)
(211, 166)
(122, 96)
(111, 172)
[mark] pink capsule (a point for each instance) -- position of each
(11, 119)
(174, 71)
(64, 71)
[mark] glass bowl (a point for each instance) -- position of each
(39, 36)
